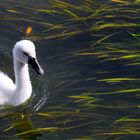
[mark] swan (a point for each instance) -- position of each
(17, 93)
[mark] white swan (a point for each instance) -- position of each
(16, 94)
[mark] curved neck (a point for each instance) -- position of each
(22, 78)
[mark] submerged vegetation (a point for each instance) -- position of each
(93, 110)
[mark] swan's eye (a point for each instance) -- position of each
(25, 53)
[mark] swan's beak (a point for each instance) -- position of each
(35, 65)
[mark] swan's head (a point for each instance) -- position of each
(24, 52)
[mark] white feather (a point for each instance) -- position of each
(6, 88)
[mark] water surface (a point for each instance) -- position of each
(90, 54)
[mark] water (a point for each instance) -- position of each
(90, 89)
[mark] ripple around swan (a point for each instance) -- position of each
(40, 94)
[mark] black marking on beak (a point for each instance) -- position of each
(35, 65)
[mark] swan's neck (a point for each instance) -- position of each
(22, 81)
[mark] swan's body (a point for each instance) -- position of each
(17, 93)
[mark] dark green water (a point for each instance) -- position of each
(88, 91)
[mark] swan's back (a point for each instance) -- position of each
(6, 87)
(6, 82)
